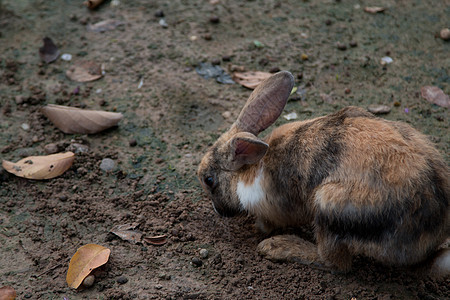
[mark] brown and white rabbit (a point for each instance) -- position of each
(368, 185)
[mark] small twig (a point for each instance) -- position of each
(52, 268)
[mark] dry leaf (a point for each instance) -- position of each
(105, 25)
(435, 95)
(87, 258)
(76, 120)
(49, 52)
(84, 71)
(7, 293)
(126, 232)
(250, 79)
(374, 9)
(40, 167)
(158, 240)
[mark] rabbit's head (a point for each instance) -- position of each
(240, 147)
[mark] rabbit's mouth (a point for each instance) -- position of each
(224, 211)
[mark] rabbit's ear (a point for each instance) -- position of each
(266, 103)
(243, 149)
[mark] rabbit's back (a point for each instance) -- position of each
(379, 186)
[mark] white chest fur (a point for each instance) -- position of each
(251, 194)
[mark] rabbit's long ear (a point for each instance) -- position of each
(243, 149)
(266, 103)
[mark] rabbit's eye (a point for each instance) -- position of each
(209, 181)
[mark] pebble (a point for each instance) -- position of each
(122, 280)
(304, 56)
(107, 164)
(89, 280)
(328, 22)
(274, 70)
(445, 34)
(348, 91)
(207, 37)
(341, 46)
(386, 60)
(132, 142)
(25, 126)
(66, 57)
(19, 99)
(77, 148)
(51, 148)
(215, 62)
(353, 44)
(196, 262)
(163, 23)
(226, 58)
(204, 253)
(159, 14)
(226, 114)
(214, 19)
(378, 109)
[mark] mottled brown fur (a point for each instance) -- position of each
(369, 186)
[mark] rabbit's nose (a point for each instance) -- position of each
(225, 211)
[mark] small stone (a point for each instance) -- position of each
(207, 37)
(328, 22)
(214, 19)
(274, 70)
(196, 262)
(226, 58)
(77, 148)
(132, 142)
(25, 126)
(89, 280)
(215, 62)
(341, 46)
(353, 44)
(107, 164)
(304, 56)
(386, 60)
(19, 99)
(378, 109)
(66, 57)
(348, 91)
(63, 198)
(204, 253)
(122, 280)
(51, 148)
(445, 34)
(159, 14)
(163, 23)
(226, 114)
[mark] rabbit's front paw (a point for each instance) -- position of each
(289, 248)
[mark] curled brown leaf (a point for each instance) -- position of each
(87, 258)
(41, 167)
(374, 9)
(250, 79)
(84, 71)
(435, 95)
(158, 240)
(76, 120)
(49, 52)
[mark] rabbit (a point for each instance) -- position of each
(367, 185)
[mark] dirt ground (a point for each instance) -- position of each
(171, 116)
